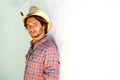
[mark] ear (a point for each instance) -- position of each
(43, 27)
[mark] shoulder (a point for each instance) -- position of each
(50, 46)
(49, 42)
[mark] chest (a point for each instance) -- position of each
(35, 57)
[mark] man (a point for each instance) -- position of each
(42, 59)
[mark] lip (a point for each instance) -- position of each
(32, 33)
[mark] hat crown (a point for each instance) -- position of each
(32, 10)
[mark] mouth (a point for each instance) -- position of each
(32, 33)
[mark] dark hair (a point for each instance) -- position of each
(42, 21)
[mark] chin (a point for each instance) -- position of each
(34, 36)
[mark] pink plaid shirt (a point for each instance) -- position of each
(42, 61)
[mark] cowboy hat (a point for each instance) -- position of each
(35, 11)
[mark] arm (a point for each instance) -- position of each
(51, 64)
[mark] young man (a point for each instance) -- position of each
(42, 59)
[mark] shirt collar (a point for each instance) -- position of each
(44, 39)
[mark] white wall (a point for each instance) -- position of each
(87, 33)
(92, 40)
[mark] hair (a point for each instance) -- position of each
(42, 21)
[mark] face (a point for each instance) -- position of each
(34, 27)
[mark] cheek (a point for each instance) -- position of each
(28, 30)
(40, 29)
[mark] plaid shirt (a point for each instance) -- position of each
(42, 61)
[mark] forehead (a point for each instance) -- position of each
(31, 20)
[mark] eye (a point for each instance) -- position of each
(34, 24)
(28, 26)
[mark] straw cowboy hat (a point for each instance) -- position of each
(35, 11)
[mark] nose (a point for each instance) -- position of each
(30, 29)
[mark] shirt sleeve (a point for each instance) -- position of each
(51, 64)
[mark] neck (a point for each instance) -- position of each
(37, 39)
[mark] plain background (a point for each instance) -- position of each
(87, 33)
